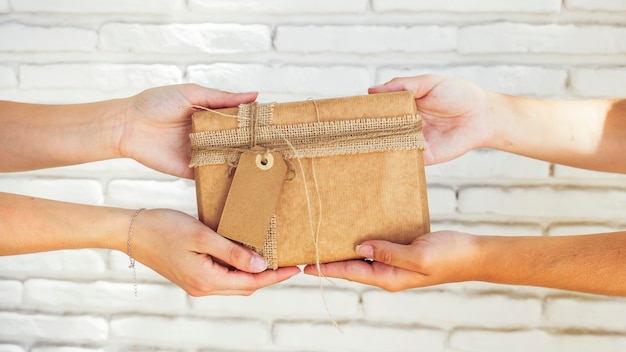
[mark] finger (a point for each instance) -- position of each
(387, 87)
(394, 254)
(420, 86)
(231, 253)
(216, 99)
(376, 274)
(242, 283)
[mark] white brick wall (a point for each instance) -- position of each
(547, 38)
(99, 7)
(45, 39)
(62, 51)
(597, 5)
(365, 39)
(191, 332)
(281, 7)
(445, 309)
(533, 6)
(185, 38)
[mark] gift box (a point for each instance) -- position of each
(305, 182)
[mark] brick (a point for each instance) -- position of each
(446, 309)
(471, 6)
(533, 340)
(595, 342)
(65, 349)
(8, 77)
(10, 293)
(185, 38)
(102, 296)
(545, 202)
(365, 39)
(580, 229)
(607, 314)
(74, 329)
(179, 194)
(596, 5)
(283, 303)
(508, 79)
(279, 6)
(566, 172)
(98, 76)
(11, 348)
(318, 81)
(188, 332)
(76, 191)
(488, 163)
(76, 263)
(44, 39)
(357, 337)
(599, 82)
(441, 200)
(100, 6)
(548, 38)
(497, 341)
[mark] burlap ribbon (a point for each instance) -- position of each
(305, 140)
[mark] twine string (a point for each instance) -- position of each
(315, 233)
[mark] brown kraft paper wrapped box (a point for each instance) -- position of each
(341, 171)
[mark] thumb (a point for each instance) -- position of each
(394, 254)
(391, 86)
(217, 99)
(420, 86)
(231, 253)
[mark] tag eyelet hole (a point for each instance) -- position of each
(265, 161)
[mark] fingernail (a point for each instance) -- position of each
(365, 251)
(257, 264)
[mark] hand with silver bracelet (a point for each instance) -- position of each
(152, 128)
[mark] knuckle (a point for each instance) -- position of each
(235, 254)
(384, 256)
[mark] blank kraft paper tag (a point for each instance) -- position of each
(252, 197)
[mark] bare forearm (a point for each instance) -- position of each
(586, 263)
(32, 225)
(38, 136)
(586, 134)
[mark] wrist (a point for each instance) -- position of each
(112, 126)
(476, 264)
(113, 234)
(499, 109)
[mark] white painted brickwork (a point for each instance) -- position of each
(62, 51)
